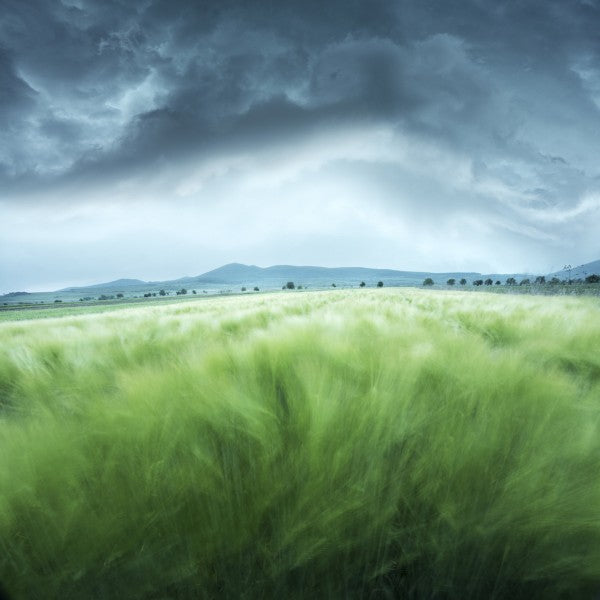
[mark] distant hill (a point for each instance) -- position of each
(239, 273)
(236, 275)
(111, 284)
(579, 272)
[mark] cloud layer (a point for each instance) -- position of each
(418, 134)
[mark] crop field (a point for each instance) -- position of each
(372, 444)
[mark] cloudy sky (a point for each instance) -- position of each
(162, 138)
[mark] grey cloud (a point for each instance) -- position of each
(193, 72)
(93, 93)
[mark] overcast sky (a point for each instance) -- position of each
(161, 138)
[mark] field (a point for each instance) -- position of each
(389, 443)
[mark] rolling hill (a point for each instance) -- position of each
(234, 275)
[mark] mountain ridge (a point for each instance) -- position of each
(275, 276)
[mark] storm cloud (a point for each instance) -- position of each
(158, 138)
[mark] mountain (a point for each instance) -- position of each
(580, 272)
(236, 275)
(123, 283)
(239, 273)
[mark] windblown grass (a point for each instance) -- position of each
(353, 444)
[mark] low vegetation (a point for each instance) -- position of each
(343, 444)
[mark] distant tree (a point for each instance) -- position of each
(243, 289)
(428, 281)
(299, 287)
(568, 268)
(540, 280)
(162, 293)
(524, 282)
(181, 292)
(478, 282)
(511, 281)
(488, 281)
(57, 300)
(256, 289)
(289, 285)
(362, 284)
(451, 281)
(193, 291)
(147, 295)
(333, 285)
(119, 295)
(380, 284)
(554, 281)
(592, 278)
(463, 281)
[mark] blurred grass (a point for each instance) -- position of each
(349, 444)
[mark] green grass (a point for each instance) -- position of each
(342, 444)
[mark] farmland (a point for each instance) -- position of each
(392, 443)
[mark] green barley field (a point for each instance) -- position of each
(372, 444)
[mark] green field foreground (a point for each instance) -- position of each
(343, 444)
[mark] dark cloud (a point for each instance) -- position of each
(96, 93)
(139, 79)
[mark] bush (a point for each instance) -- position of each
(592, 278)
(119, 295)
(162, 293)
(243, 289)
(362, 284)
(488, 281)
(511, 281)
(256, 289)
(289, 285)
(428, 281)
(478, 282)
(463, 281)
(451, 281)
(380, 284)
(525, 282)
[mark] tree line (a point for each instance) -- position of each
(511, 281)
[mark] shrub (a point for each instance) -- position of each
(511, 281)
(119, 295)
(478, 282)
(362, 284)
(463, 281)
(380, 284)
(525, 282)
(289, 285)
(592, 278)
(428, 281)
(488, 281)
(162, 293)
(256, 289)
(243, 289)
(451, 281)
